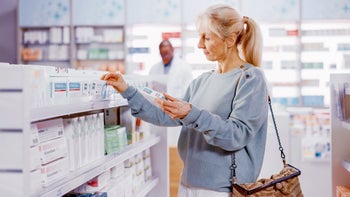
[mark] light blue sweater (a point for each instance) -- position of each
(217, 125)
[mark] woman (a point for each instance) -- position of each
(224, 111)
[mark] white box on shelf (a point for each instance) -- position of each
(111, 116)
(52, 150)
(58, 90)
(34, 137)
(117, 170)
(53, 171)
(35, 181)
(34, 157)
(50, 129)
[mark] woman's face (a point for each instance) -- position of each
(212, 45)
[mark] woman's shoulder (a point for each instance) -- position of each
(256, 71)
(205, 75)
(202, 77)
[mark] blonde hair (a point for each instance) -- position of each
(224, 21)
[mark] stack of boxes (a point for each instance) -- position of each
(124, 179)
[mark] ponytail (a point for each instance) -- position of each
(251, 42)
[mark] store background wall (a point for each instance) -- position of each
(8, 31)
(179, 13)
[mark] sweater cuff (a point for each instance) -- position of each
(191, 117)
(129, 92)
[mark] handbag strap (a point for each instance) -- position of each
(233, 156)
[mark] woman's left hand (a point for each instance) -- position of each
(175, 108)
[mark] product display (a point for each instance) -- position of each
(58, 136)
(151, 94)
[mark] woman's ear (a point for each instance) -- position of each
(231, 41)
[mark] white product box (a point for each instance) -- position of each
(39, 86)
(83, 140)
(127, 120)
(138, 157)
(52, 150)
(97, 87)
(146, 153)
(53, 171)
(58, 90)
(117, 170)
(100, 131)
(55, 35)
(129, 162)
(85, 89)
(69, 136)
(96, 136)
(35, 181)
(91, 138)
(128, 185)
(71, 133)
(66, 33)
(139, 168)
(35, 158)
(82, 54)
(147, 163)
(50, 129)
(111, 116)
(34, 137)
(151, 94)
(148, 174)
(74, 89)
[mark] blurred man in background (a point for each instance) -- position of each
(178, 72)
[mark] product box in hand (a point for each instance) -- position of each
(151, 94)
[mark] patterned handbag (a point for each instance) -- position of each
(285, 183)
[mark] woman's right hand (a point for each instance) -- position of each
(115, 80)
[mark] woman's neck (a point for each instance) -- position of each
(230, 64)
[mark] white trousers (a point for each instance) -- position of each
(185, 191)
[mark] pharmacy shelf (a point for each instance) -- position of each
(147, 187)
(48, 112)
(86, 173)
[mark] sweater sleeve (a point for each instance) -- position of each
(248, 115)
(146, 110)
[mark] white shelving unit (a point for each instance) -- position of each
(59, 33)
(77, 178)
(16, 116)
(340, 132)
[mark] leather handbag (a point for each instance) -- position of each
(285, 183)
